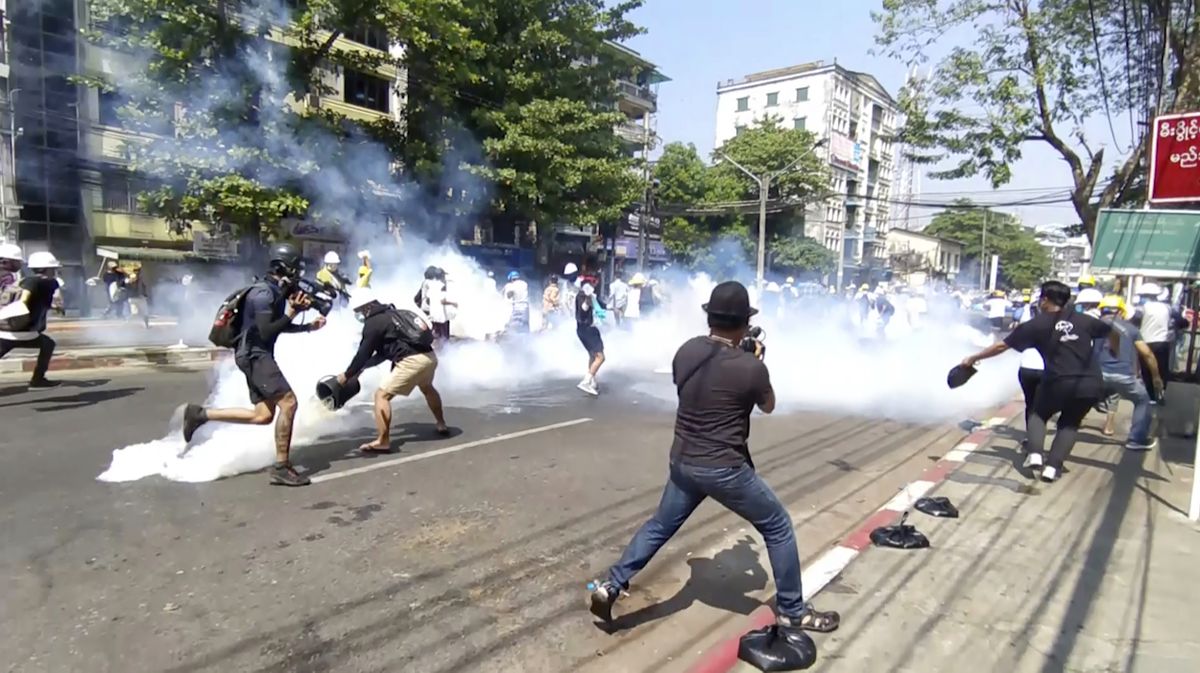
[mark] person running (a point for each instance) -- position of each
(589, 335)
(1120, 373)
(719, 385)
(551, 302)
(401, 338)
(438, 305)
(27, 330)
(139, 296)
(516, 291)
(268, 309)
(1071, 384)
(1029, 375)
(618, 299)
(997, 311)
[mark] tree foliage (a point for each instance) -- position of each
(711, 212)
(1023, 260)
(1034, 71)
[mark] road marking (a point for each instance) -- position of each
(818, 574)
(911, 493)
(449, 449)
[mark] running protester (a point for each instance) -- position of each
(589, 335)
(997, 310)
(719, 384)
(268, 310)
(516, 291)
(618, 298)
(30, 304)
(1156, 321)
(1072, 382)
(1120, 372)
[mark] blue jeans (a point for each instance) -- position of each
(743, 492)
(1133, 390)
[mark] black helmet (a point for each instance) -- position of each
(286, 260)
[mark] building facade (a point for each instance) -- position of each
(916, 258)
(857, 116)
(1070, 256)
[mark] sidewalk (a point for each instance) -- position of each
(1095, 573)
(19, 361)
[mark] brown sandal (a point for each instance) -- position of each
(821, 622)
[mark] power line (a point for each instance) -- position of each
(1100, 69)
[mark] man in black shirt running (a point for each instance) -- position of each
(589, 335)
(719, 384)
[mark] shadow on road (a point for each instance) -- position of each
(320, 457)
(76, 401)
(21, 388)
(722, 582)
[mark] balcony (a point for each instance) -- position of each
(634, 133)
(638, 97)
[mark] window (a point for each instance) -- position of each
(801, 94)
(743, 104)
(371, 36)
(738, 129)
(367, 91)
(110, 101)
(799, 123)
(773, 99)
(114, 192)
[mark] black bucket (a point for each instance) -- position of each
(333, 394)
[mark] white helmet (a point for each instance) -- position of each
(364, 254)
(43, 260)
(11, 251)
(361, 297)
(1089, 295)
(570, 268)
(1149, 290)
(332, 257)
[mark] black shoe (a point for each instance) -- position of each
(604, 596)
(43, 382)
(283, 474)
(193, 418)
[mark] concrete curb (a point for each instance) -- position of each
(818, 574)
(101, 358)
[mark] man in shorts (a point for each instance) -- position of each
(589, 335)
(268, 310)
(413, 364)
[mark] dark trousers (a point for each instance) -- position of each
(743, 492)
(1029, 379)
(1062, 398)
(1162, 356)
(44, 346)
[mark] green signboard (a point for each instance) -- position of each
(1153, 243)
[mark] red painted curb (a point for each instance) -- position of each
(723, 656)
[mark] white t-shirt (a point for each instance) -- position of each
(620, 293)
(1030, 357)
(997, 307)
(1156, 322)
(517, 292)
(435, 294)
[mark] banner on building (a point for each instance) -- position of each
(1175, 158)
(845, 153)
(220, 246)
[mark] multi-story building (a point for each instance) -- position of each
(69, 183)
(916, 258)
(1070, 256)
(858, 117)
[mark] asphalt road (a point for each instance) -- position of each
(473, 559)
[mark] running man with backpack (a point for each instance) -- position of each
(405, 339)
(251, 321)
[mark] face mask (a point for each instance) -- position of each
(360, 317)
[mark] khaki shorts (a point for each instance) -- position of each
(411, 372)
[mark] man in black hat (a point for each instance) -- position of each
(719, 384)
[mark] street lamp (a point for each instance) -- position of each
(764, 186)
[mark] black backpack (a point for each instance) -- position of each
(412, 328)
(227, 326)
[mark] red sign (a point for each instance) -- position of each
(1175, 158)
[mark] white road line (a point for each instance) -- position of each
(818, 574)
(957, 455)
(911, 493)
(449, 449)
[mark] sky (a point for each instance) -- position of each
(700, 42)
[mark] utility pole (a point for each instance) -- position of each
(983, 253)
(764, 186)
(644, 218)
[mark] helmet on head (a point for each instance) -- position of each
(1149, 290)
(43, 260)
(11, 251)
(362, 297)
(1089, 295)
(1113, 303)
(790, 280)
(638, 279)
(286, 260)
(570, 268)
(332, 257)
(1087, 281)
(513, 275)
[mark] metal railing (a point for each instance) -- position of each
(636, 91)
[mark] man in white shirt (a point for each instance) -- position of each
(618, 298)
(997, 310)
(516, 291)
(1155, 321)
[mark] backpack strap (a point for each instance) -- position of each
(695, 370)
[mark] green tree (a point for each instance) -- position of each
(1023, 260)
(798, 253)
(767, 147)
(1029, 71)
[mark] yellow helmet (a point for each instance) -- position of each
(1114, 302)
(1087, 281)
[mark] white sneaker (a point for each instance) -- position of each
(588, 387)
(1050, 474)
(1136, 446)
(1033, 460)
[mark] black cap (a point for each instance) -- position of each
(729, 299)
(959, 375)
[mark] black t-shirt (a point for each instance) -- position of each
(381, 342)
(1066, 342)
(41, 296)
(712, 423)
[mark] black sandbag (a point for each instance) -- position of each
(959, 375)
(937, 506)
(773, 649)
(900, 536)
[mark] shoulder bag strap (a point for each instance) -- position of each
(695, 370)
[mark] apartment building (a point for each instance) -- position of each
(916, 258)
(858, 117)
(1070, 256)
